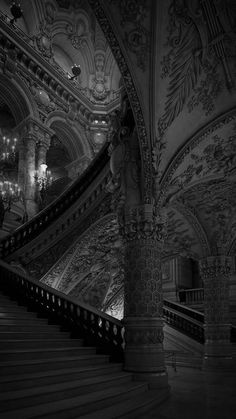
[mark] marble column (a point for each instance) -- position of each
(30, 151)
(144, 353)
(215, 272)
(21, 166)
(42, 153)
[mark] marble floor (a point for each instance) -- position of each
(196, 394)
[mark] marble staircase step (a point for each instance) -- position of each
(79, 405)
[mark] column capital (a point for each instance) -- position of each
(214, 266)
(143, 223)
(32, 127)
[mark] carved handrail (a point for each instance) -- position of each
(81, 319)
(186, 321)
(194, 295)
(30, 230)
(187, 311)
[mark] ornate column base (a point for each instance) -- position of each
(218, 350)
(144, 354)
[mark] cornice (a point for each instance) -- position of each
(47, 74)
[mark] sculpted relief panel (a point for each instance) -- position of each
(198, 66)
(91, 268)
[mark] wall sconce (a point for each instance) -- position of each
(76, 70)
(16, 12)
(43, 177)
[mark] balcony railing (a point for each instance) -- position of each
(43, 219)
(194, 296)
(184, 319)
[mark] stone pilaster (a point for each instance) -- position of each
(215, 272)
(42, 149)
(31, 132)
(143, 234)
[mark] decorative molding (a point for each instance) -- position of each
(214, 267)
(193, 142)
(143, 223)
(197, 42)
(46, 74)
(147, 189)
(136, 37)
(192, 218)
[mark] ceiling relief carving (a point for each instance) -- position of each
(67, 34)
(216, 157)
(92, 266)
(209, 153)
(181, 237)
(136, 36)
(69, 4)
(198, 66)
(115, 306)
(214, 203)
(78, 33)
(144, 142)
(40, 265)
(200, 183)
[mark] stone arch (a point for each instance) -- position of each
(18, 98)
(72, 137)
(135, 100)
(192, 143)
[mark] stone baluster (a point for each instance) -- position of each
(215, 272)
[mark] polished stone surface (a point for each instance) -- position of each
(196, 394)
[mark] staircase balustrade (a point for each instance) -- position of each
(194, 295)
(46, 217)
(96, 327)
(184, 319)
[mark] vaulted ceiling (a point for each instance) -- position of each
(176, 60)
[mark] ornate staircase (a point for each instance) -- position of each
(55, 358)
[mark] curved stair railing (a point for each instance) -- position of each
(30, 230)
(96, 327)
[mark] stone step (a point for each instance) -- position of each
(133, 408)
(58, 391)
(44, 353)
(26, 327)
(19, 315)
(45, 334)
(20, 381)
(36, 365)
(80, 405)
(22, 320)
(48, 342)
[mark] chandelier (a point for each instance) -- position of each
(9, 192)
(76, 70)
(16, 11)
(43, 177)
(8, 149)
